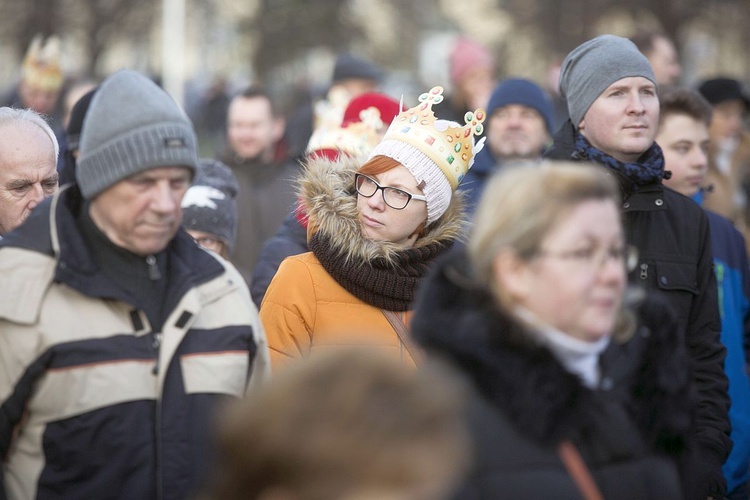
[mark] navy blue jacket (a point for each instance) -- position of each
(93, 402)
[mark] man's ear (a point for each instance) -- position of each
(512, 274)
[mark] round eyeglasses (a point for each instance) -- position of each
(594, 258)
(393, 197)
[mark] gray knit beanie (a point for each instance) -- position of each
(132, 125)
(210, 204)
(595, 65)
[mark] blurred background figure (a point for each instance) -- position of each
(265, 174)
(73, 94)
(365, 122)
(352, 76)
(41, 81)
(534, 313)
(472, 74)
(552, 86)
(729, 151)
(72, 140)
(347, 425)
(210, 117)
(683, 136)
(209, 207)
(518, 128)
(662, 54)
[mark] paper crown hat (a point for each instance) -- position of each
(438, 153)
(41, 65)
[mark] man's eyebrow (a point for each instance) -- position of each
(18, 183)
(52, 178)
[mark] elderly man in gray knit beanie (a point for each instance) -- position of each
(614, 109)
(134, 134)
(122, 338)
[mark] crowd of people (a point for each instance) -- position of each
(492, 292)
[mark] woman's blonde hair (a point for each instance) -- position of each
(521, 205)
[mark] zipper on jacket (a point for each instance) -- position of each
(644, 271)
(153, 269)
(155, 345)
(157, 436)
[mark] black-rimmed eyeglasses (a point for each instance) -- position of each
(393, 197)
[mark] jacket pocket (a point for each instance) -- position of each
(676, 276)
(216, 373)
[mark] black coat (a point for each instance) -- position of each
(672, 236)
(290, 239)
(630, 432)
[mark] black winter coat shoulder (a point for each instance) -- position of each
(631, 432)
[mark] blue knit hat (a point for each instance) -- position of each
(526, 93)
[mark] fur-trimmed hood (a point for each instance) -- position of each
(328, 196)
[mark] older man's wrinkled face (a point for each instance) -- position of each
(142, 213)
(28, 172)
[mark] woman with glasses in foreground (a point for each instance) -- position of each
(373, 231)
(580, 391)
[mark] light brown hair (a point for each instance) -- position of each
(342, 423)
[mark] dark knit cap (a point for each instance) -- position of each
(595, 65)
(523, 92)
(210, 204)
(350, 66)
(132, 125)
(718, 90)
(75, 124)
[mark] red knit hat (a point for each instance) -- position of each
(360, 130)
(388, 108)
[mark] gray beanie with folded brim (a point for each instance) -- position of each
(132, 125)
(595, 65)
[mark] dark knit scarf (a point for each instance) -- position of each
(381, 283)
(648, 169)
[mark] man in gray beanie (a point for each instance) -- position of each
(614, 109)
(120, 335)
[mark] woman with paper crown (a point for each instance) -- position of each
(373, 231)
(366, 120)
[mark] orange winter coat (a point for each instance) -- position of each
(305, 309)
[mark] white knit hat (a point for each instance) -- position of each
(438, 153)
